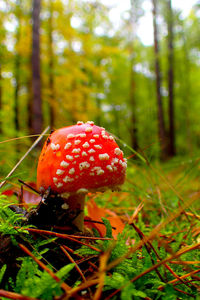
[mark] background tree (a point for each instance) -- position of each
(161, 121)
(17, 64)
(134, 14)
(36, 81)
(170, 26)
(52, 96)
(1, 79)
(92, 68)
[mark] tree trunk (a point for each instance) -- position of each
(132, 100)
(134, 140)
(17, 64)
(51, 68)
(16, 94)
(186, 92)
(161, 122)
(171, 150)
(30, 102)
(16, 72)
(36, 81)
(1, 106)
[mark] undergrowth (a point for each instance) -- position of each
(155, 257)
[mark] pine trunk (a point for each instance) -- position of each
(16, 94)
(171, 149)
(132, 100)
(17, 64)
(161, 123)
(51, 68)
(134, 141)
(36, 81)
(186, 92)
(1, 106)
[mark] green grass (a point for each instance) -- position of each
(156, 257)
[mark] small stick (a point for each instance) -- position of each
(11, 295)
(97, 222)
(63, 235)
(24, 156)
(28, 186)
(73, 261)
(65, 286)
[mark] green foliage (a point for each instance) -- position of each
(108, 228)
(2, 272)
(129, 293)
(30, 276)
(149, 284)
(175, 235)
(88, 63)
(86, 66)
(10, 222)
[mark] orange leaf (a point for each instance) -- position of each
(95, 213)
(28, 196)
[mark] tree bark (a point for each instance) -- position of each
(132, 100)
(36, 80)
(134, 140)
(17, 64)
(186, 95)
(1, 106)
(16, 94)
(51, 68)
(161, 122)
(171, 150)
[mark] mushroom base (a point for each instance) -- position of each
(75, 203)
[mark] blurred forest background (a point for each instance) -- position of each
(67, 60)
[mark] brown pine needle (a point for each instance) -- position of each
(63, 248)
(157, 255)
(193, 215)
(65, 287)
(168, 259)
(24, 156)
(102, 267)
(81, 287)
(185, 276)
(177, 254)
(85, 244)
(153, 233)
(183, 292)
(180, 262)
(15, 296)
(65, 236)
(20, 138)
(136, 212)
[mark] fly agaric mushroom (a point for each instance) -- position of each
(79, 159)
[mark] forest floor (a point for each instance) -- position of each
(142, 242)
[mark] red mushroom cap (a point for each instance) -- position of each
(80, 158)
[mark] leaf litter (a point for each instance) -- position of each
(137, 243)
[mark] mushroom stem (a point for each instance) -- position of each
(76, 204)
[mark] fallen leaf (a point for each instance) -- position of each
(95, 213)
(29, 197)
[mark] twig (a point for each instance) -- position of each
(11, 295)
(64, 249)
(24, 156)
(181, 277)
(65, 236)
(164, 261)
(102, 273)
(65, 286)
(148, 247)
(28, 186)
(152, 234)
